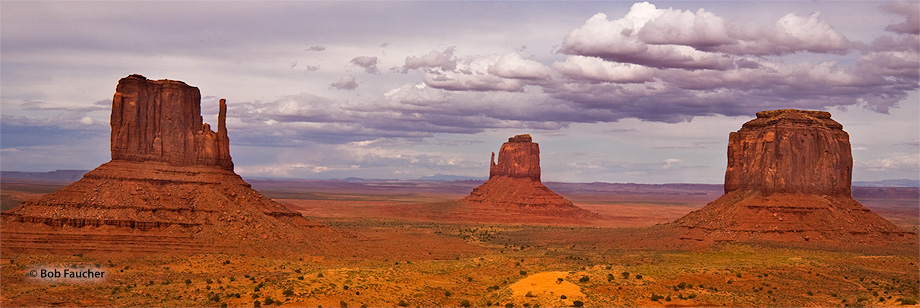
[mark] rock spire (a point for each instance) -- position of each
(514, 183)
(169, 188)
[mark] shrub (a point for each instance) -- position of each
(638, 276)
(257, 304)
(223, 305)
(584, 279)
(610, 277)
(343, 304)
(655, 297)
(447, 293)
(465, 303)
(682, 285)
(288, 292)
(269, 300)
(810, 293)
(668, 298)
(402, 303)
(509, 305)
(907, 301)
(188, 281)
(558, 280)
(625, 275)
(523, 273)
(529, 294)
(563, 296)
(578, 304)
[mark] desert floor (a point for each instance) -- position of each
(438, 254)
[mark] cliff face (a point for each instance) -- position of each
(514, 184)
(170, 188)
(790, 151)
(518, 158)
(160, 120)
(788, 180)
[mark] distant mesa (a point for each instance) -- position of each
(514, 183)
(788, 179)
(169, 188)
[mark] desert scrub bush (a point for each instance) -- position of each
(529, 294)
(269, 300)
(625, 275)
(907, 301)
(584, 279)
(578, 304)
(655, 297)
(288, 292)
(402, 303)
(343, 304)
(256, 304)
(562, 296)
(447, 293)
(465, 303)
(509, 305)
(610, 277)
(638, 276)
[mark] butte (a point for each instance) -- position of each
(514, 185)
(788, 180)
(169, 188)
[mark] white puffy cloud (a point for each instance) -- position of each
(513, 66)
(669, 38)
(596, 69)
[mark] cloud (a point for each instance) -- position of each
(911, 13)
(893, 161)
(347, 82)
(368, 63)
(513, 66)
(444, 61)
(593, 69)
(669, 38)
(315, 48)
(42, 106)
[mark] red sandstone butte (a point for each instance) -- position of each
(514, 183)
(160, 120)
(169, 188)
(788, 180)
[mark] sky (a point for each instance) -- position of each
(613, 91)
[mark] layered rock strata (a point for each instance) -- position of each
(170, 188)
(160, 120)
(788, 179)
(514, 183)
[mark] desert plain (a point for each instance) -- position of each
(413, 244)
